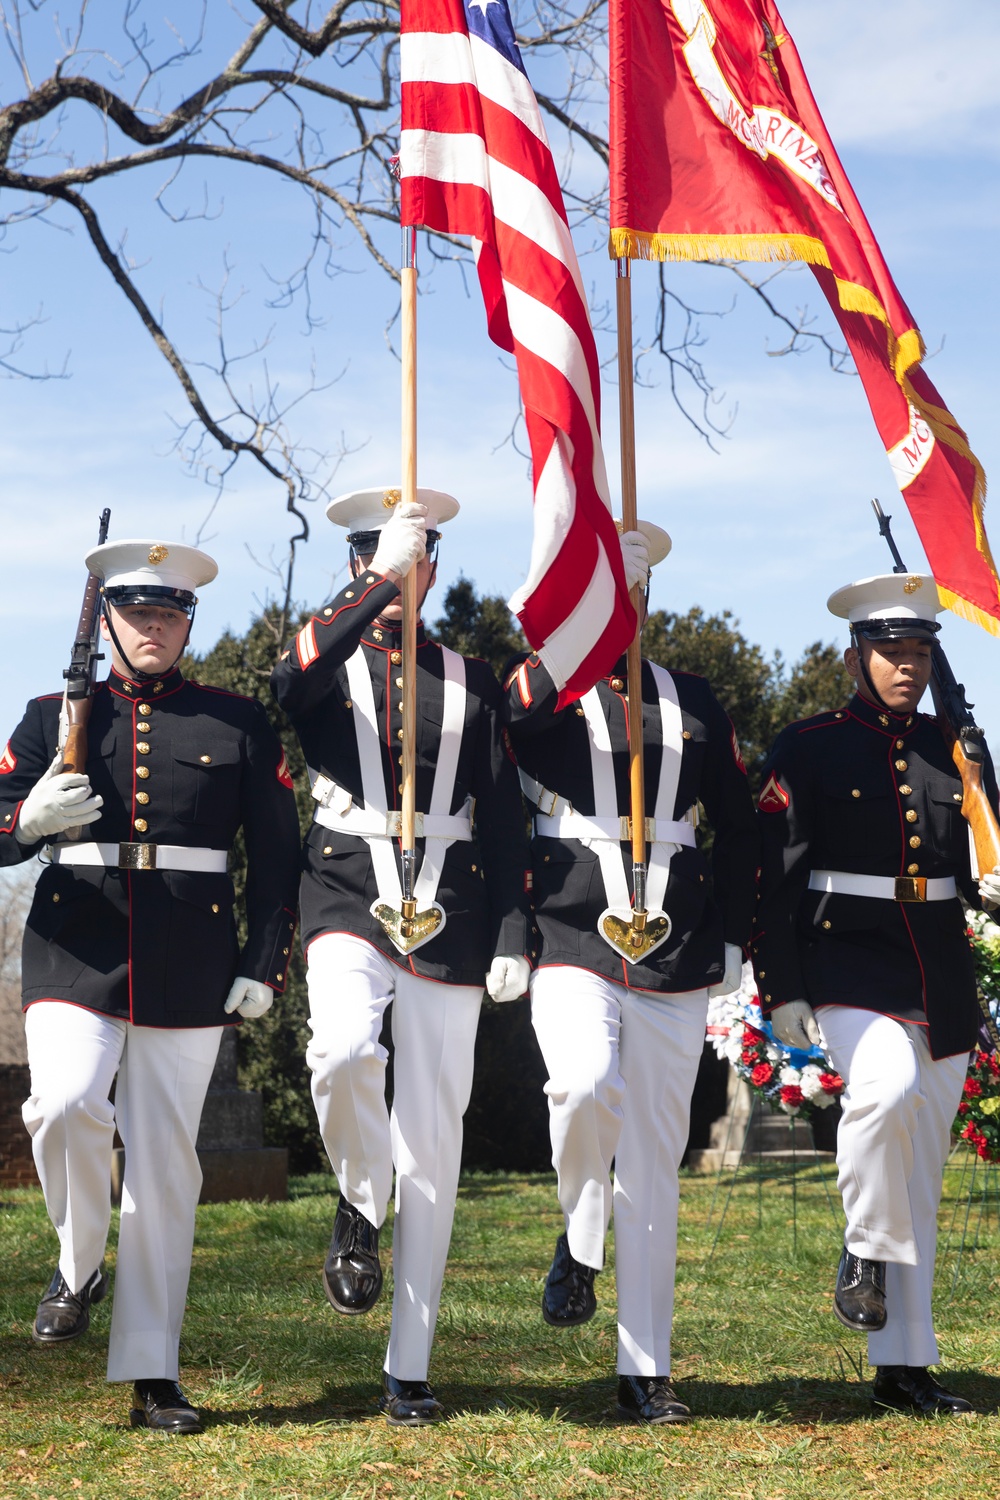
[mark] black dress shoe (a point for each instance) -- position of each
(63, 1314)
(913, 1388)
(162, 1405)
(352, 1276)
(568, 1298)
(650, 1398)
(859, 1298)
(408, 1403)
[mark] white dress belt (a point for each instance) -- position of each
(365, 824)
(884, 887)
(574, 825)
(142, 857)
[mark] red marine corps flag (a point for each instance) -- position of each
(718, 152)
(474, 160)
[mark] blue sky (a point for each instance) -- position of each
(767, 527)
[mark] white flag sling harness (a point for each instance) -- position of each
(605, 834)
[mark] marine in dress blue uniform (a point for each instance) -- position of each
(860, 941)
(621, 1039)
(341, 685)
(131, 964)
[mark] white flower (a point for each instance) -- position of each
(810, 1085)
(732, 1049)
(789, 1074)
(790, 1109)
(774, 1053)
(823, 1100)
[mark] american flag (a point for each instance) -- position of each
(474, 159)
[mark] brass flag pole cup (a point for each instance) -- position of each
(637, 933)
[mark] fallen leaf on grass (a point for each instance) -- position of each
(48, 1452)
(592, 1474)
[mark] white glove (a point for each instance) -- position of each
(251, 997)
(989, 889)
(635, 556)
(60, 800)
(733, 976)
(508, 978)
(795, 1025)
(402, 540)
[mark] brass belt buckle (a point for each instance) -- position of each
(137, 856)
(910, 888)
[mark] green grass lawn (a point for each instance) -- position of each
(779, 1391)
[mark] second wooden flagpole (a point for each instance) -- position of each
(626, 409)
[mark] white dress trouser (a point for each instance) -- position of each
(434, 1036)
(622, 1066)
(892, 1144)
(163, 1076)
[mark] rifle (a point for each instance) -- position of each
(81, 674)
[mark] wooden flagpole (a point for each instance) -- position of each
(409, 493)
(626, 409)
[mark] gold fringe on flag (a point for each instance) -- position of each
(639, 244)
(967, 611)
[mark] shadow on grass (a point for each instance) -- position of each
(591, 1403)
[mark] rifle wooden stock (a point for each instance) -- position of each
(75, 748)
(976, 808)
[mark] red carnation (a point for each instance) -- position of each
(831, 1083)
(969, 1131)
(752, 1037)
(972, 1087)
(761, 1075)
(791, 1094)
(963, 1108)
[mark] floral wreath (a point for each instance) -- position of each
(784, 1078)
(978, 1120)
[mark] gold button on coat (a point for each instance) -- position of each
(141, 825)
(915, 841)
(56, 896)
(899, 744)
(901, 765)
(215, 906)
(144, 708)
(911, 816)
(396, 657)
(142, 772)
(142, 747)
(142, 727)
(328, 612)
(913, 869)
(616, 684)
(142, 797)
(855, 792)
(206, 760)
(905, 790)
(827, 925)
(349, 594)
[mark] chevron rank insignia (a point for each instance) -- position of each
(773, 797)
